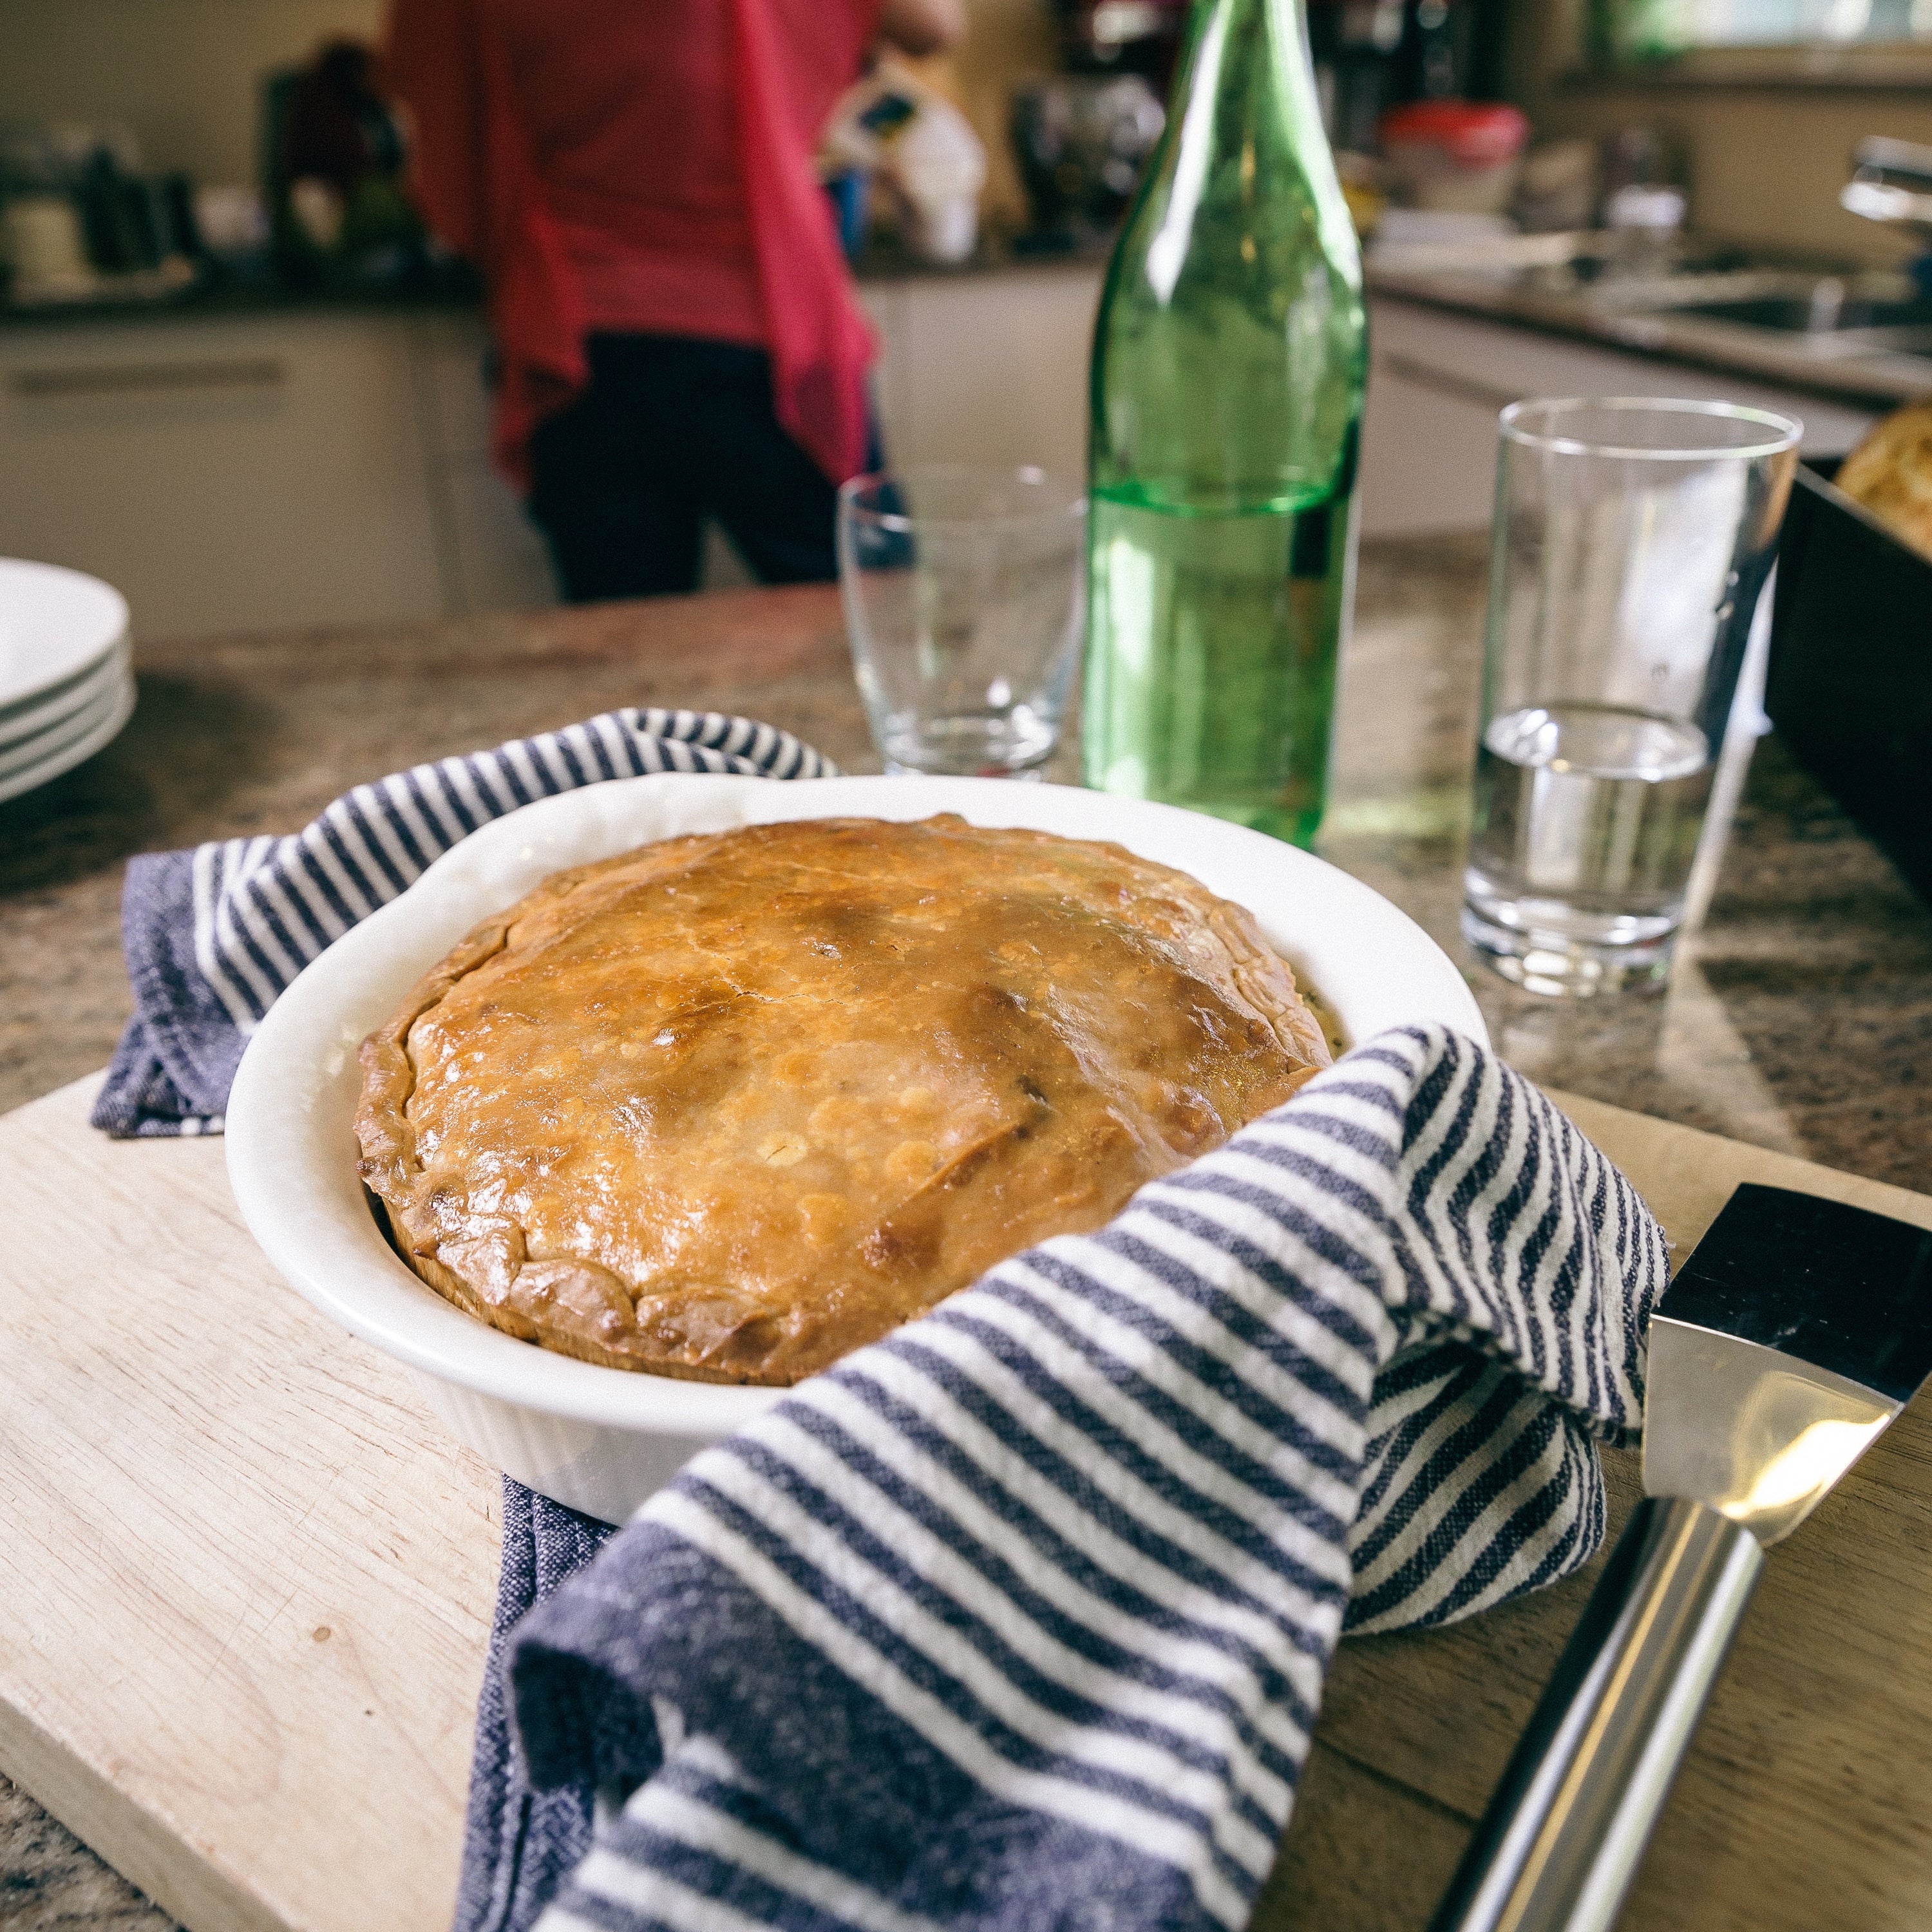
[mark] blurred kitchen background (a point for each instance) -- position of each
(237, 381)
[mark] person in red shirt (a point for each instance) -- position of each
(675, 332)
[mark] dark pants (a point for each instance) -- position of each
(669, 431)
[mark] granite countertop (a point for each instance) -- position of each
(1877, 377)
(1873, 377)
(1799, 1018)
(243, 302)
(998, 254)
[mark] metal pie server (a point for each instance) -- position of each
(1796, 1331)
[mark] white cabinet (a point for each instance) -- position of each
(987, 368)
(225, 475)
(493, 557)
(232, 474)
(498, 560)
(1436, 381)
(237, 474)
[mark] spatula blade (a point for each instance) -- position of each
(1791, 1337)
(1796, 1331)
(1846, 1290)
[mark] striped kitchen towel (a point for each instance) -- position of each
(1018, 1619)
(211, 936)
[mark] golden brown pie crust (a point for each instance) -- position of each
(729, 1106)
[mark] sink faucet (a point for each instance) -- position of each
(1891, 182)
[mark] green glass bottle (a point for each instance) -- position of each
(1229, 363)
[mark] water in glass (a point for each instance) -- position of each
(1634, 539)
(1587, 819)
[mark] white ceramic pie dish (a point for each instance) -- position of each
(602, 1439)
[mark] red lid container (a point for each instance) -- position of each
(1472, 133)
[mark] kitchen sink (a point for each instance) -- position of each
(1844, 316)
(1732, 304)
(1825, 310)
(1714, 281)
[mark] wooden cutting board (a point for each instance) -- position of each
(245, 1585)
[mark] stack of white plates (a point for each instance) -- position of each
(66, 676)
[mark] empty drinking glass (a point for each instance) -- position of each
(963, 590)
(1633, 540)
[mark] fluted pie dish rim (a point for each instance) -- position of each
(291, 1153)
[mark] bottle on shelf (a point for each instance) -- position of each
(1229, 363)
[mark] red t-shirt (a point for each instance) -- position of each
(643, 165)
(634, 99)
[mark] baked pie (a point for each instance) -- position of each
(728, 1106)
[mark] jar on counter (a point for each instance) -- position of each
(1461, 155)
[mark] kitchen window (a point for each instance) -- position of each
(1820, 41)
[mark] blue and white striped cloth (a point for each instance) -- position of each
(1019, 1618)
(211, 936)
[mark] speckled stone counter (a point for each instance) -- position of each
(1824, 364)
(1800, 1017)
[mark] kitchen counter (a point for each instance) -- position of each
(457, 291)
(1874, 378)
(1800, 1019)
(1803, 1021)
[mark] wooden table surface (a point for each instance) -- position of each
(1801, 1020)
(240, 1648)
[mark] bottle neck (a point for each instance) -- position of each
(1226, 41)
(1216, 29)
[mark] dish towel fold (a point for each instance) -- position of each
(211, 936)
(1019, 1618)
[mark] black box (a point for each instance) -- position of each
(1850, 686)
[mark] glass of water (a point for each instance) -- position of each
(1633, 541)
(963, 590)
